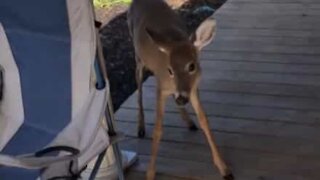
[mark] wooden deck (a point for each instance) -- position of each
(261, 90)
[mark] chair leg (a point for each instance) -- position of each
(108, 111)
(115, 148)
(118, 158)
(97, 165)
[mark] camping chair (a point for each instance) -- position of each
(54, 91)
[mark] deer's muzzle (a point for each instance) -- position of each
(182, 100)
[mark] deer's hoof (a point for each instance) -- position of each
(141, 133)
(228, 176)
(193, 127)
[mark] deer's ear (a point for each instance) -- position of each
(159, 40)
(205, 33)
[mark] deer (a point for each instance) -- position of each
(163, 46)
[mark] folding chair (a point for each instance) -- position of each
(54, 91)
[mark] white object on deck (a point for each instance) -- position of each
(108, 169)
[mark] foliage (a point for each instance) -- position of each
(109, 3)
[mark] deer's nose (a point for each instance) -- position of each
(182, 100)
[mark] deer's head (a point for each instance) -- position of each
(183, 54)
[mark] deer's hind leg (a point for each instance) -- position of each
(186, 118)
(139, 79)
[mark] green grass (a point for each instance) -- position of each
(109, 3)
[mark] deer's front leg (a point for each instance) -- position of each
(204, 124)
(157, 134)
(139, 78)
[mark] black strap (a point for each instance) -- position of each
(74, 151)
(52, 149)
(73, 175)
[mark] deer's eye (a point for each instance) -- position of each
(192, 67)
(170, 72)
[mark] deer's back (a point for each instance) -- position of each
(159, 17)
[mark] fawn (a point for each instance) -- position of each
(163, 46)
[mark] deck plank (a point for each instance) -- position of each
(293, 147)
(249, 45)
(271, 89)
(262, 2)
(222, 65)
(261, 77)
(204, 171)
(280, 8)
(285, 41)
(307, 23)
(227, 124)
(208, 98)
(137, 175)
(262, 57)
(240, 111)
(268, 32)
(200, 165)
